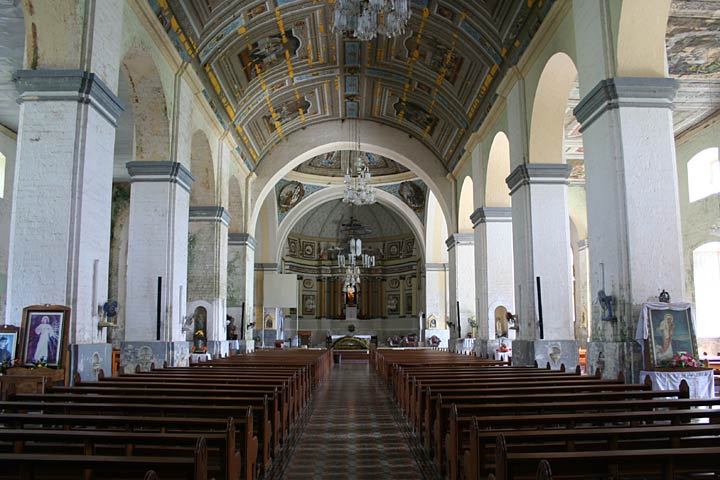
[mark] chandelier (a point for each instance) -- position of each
(358, 190)
(351, 262)
(365, 19)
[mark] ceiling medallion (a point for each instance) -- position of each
(366, 19)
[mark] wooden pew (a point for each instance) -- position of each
(665, 463)
(27, 465)
(478, 460)
(244, 440)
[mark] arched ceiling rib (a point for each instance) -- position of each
(274, 66)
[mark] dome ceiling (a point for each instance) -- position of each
(272, 67)
(333, 164)
(325, 221)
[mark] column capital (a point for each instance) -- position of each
(213, 213)
(172, 172)
(611, 93)
(538, 174)
(460, 239)
(68, 85)
(491, 215)
(242, 239)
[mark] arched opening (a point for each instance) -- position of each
(549, 109)
(641, 38)
(704, 174)
(436, 265)
(497, 193)
(466, 207)
(706, 277)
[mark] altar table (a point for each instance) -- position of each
(700, 381)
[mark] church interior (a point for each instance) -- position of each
(261, 193)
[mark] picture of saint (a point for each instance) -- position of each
(44, 337)
(672, 333)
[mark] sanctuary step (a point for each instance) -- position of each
(355, 431)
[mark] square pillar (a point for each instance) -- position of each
(60, 226)
(157, 249)
(435, 294)
(461, 261)
(493, 270)
(241, 282)
(207, 266)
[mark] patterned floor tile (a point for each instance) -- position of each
(354, 432)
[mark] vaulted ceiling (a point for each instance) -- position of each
(272, 67)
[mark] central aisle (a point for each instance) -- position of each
(354, 432)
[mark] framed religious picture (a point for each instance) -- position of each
(393, 304)
(8, 344)
(308, 304)
(45, 335)
(670, 332)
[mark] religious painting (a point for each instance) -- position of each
(393, 304)
(435, 55)
(255, 11)
(8, 344)
(308, 304)
(290, 195)
(267, 52)
(417, 115)
(432, 322)
(268, 322)
(44, 333)
(670, 332)
(286, 112)
(445, 12)
(412, 195)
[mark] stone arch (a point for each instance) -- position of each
(703, 173)
(328, 194)
(152, 129)
(641, 38)
(466, 206)
(373, 137)
(497, 193)
(235, 206)
(201, 166)
(548, 113)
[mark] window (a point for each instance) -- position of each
(706, 269)
(704, 174)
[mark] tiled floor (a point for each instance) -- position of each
(354, 432)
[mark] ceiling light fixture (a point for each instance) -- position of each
(366, 19)
(358, 190)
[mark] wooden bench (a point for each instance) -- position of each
(28, 465)
(479, 459)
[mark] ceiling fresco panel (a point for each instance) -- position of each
(273, 66)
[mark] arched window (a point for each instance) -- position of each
(706, 269)
(704, 174)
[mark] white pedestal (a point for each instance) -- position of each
(701, 382)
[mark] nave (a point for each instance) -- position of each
(354, 431)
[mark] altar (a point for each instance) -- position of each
(699, 380)
(364, 338)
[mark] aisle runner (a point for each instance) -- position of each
(353, 433)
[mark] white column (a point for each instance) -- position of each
(60, 227)
(157, 248)
(632, 203)
(542, 249)
(461, 252)
(241, 281)
(582, 290)
(435, 293)
(493, 266)
(207, 265)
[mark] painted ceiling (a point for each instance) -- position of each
(272, 67)
(334, 164)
